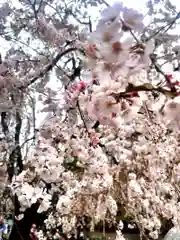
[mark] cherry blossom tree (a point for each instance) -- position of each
(90, 115)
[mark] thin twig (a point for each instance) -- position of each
(163, 27)
(48, 67)
(82, 116)
(159, 70)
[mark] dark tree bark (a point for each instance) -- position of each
(21, 229)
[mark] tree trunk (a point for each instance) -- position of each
(21, 229)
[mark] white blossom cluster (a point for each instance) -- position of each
(131, 158)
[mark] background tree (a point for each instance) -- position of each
(46, 56)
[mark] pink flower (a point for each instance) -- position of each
(95, 140)
(73, 88)
(133, 20)
(101, 107)
(91, 50)
(112, 12)
(81, 86)
(170, 76)
(113, 115)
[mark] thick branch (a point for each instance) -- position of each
(146, 88)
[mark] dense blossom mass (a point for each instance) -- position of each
(111, 135)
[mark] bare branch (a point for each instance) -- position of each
(48, 68)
